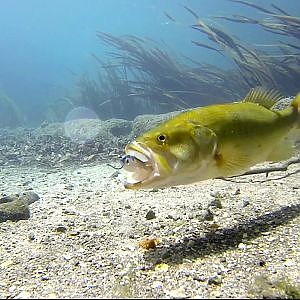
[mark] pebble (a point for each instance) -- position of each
(271, 238)
(216, 203)
(74, 233)
(150, 215)
(52, 295)
(208, 215)
(72, 265)
(289, 263)
(157, 284)
(191, 243)
(45, 277)
(178, 293)
(67, 257)
(6, 264)
(261, 263)
(215, 280)
(23, 295)
(61, 228)
(199, 278)
(31, 236)
(246, 202)
(237, 192)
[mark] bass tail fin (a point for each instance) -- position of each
(262, 96)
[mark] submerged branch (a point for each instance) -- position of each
(280, 167)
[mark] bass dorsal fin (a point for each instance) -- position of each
(262, 96)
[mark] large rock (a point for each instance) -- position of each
(16, 207)
(144, 123)
(81, 130)
(118, 127)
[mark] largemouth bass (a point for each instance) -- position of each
(214, 141)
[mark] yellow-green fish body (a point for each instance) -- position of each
(216, 141)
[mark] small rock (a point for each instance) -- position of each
(150, 215)
(272, 239)
(246, 202)
(289, 263)
(178, 293)
(61, 229)
(29, 197)
(26, 183)
(215, 280)
(237, 191)
(70, 212)
(199, 278)
(8, 198)
(208, 215)
(157, 284)
(7, 264)
(242, 246)
(52, 295)
(162, 267)
(216, 194)
(191, 243)
(24, 295)
(261, 263)
(31, 236)
(69, 187)
(45, 277)
(216, 202)
(74, 233)
(175, 218)
(67, 257)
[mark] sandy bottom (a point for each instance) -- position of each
(82, 239)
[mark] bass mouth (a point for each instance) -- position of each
(139, 169)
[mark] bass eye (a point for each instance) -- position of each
(161, 138)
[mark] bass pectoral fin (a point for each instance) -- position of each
(232, 161)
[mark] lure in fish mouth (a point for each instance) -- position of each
(140, 167)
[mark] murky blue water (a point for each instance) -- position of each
(46, 45)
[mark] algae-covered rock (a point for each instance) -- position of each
(30, 197)
(16, 207)
(144, 123)
(14, 211)
(280, 288)
(118, 127)
(82, 130)
(52, 129)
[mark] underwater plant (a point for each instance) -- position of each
(141, 77)
(280, 70)
(10, 114)
(166, 81)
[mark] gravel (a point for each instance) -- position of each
(82, 235)
(217, 238)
